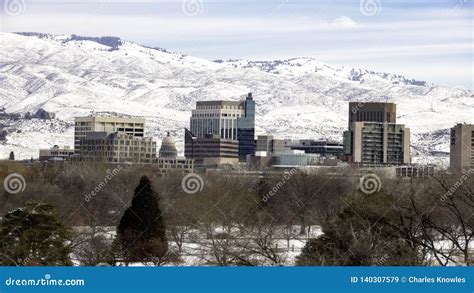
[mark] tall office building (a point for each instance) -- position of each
(246, 129)
(372, 112)
(380, 143)
(231, 120)
(83, 125)
(374, 137)
(462, 147)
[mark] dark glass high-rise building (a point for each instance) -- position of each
(246, 129)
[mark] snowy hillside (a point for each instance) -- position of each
(299, 98)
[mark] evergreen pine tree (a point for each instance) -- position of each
(12, 156)
(32, 236)
(141, 233)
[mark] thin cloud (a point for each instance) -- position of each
(344, 22)
(410, 35)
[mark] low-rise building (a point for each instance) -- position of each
(56, 153)
(270, 145)
(259, 162)
(117, 148)
(322, 147)
(294, 159)
(289, 158)
(415, 171)
(177, 164)
(110, 124)
(211, 150)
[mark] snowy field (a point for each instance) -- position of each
(198, 247)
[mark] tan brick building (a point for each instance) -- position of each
(117, 148)
(462, 147)
(83, 125)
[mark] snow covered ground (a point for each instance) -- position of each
(197, 246)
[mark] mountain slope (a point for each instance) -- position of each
(302, 97)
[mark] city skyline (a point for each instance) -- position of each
(362, 118)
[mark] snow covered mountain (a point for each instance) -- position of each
(70, 76)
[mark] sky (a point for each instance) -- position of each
(421, 39)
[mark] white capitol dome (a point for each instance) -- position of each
(168, 147)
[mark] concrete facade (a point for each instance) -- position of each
(321, 147)
(177, 164)
(379, 143)
(83, 125)
(462, 147)
(270, 145)
(117, 148)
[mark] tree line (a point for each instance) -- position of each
(232, 221)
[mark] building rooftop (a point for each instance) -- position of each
(221, 103)
(109, 119)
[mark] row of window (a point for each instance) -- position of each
(121, 149)
(199, 107)
(117, 155)
(175, 166)
(96, 142)
(216, 115)
(372, 116)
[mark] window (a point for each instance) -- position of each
(453, 136)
